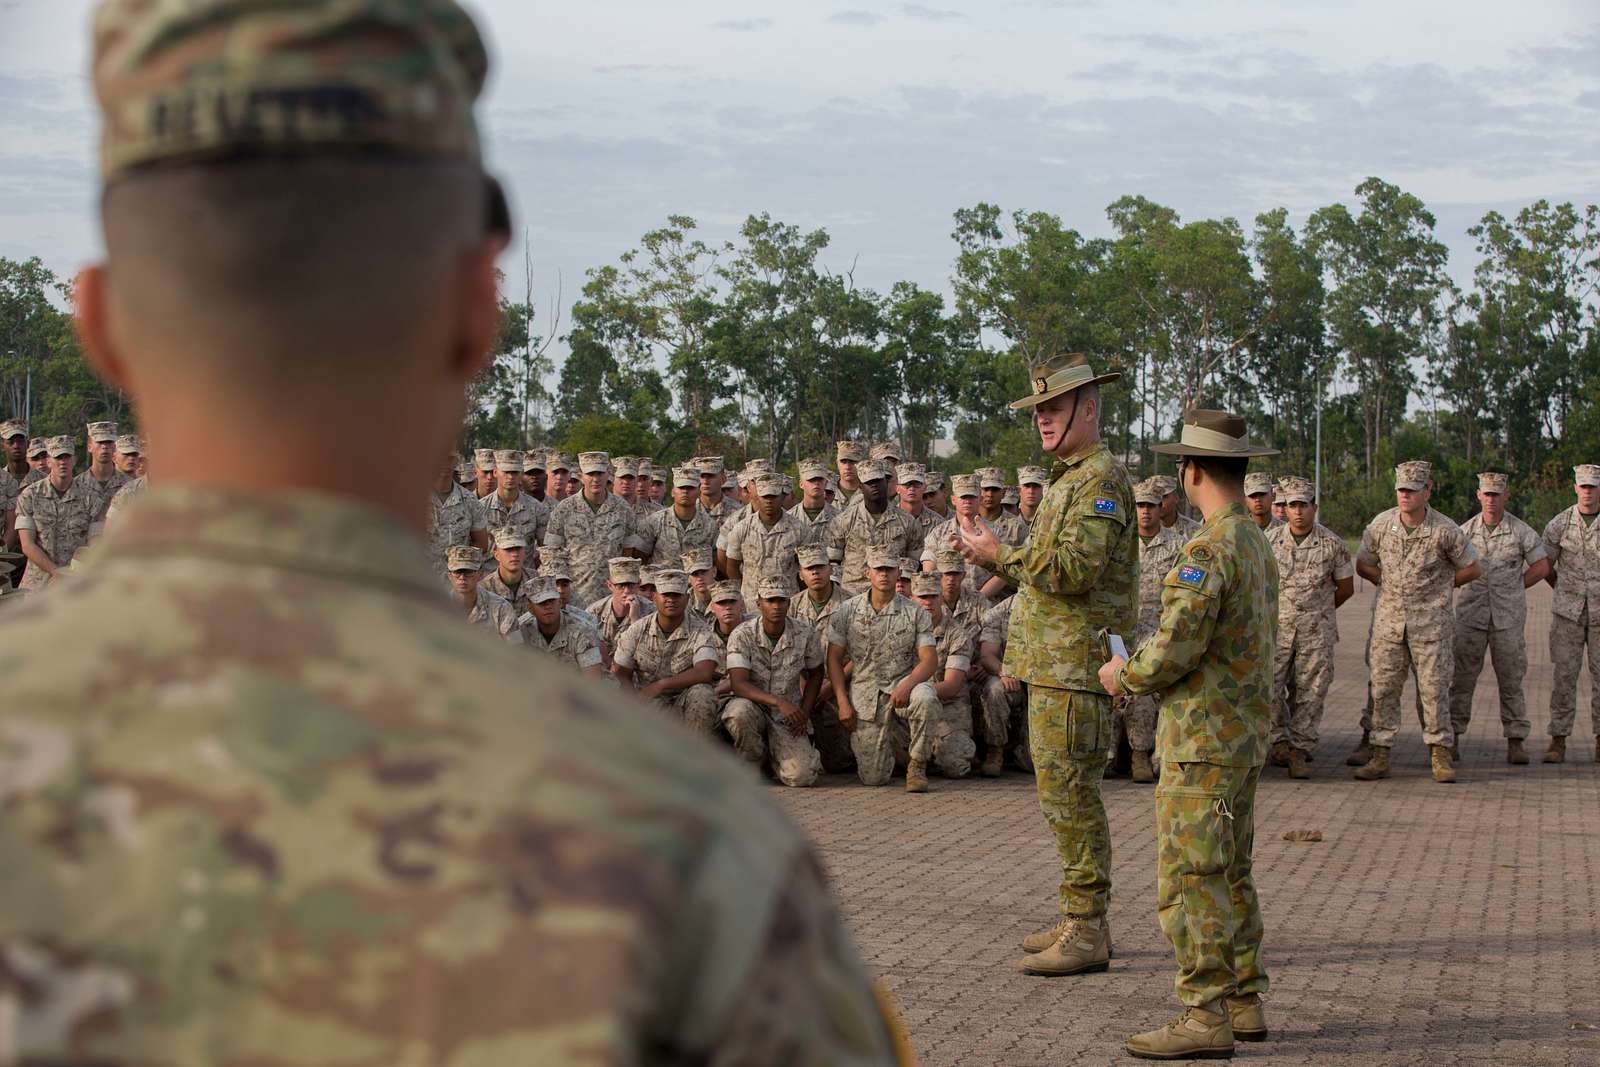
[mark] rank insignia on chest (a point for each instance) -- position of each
(1102, 506)
(1191, 575)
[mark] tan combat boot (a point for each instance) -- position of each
(1362, 754)
(1082, 946)
(1376, 767)
(1515, 753)
(1442, 771)
(1198, 1034)
(1142, 770)
(993, 762)
(1297, 764)
(1247, 1017)
(1040, 940)
(917, 777)
(1280, 753)
(1557, 752)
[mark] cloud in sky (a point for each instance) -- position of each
(743, 25)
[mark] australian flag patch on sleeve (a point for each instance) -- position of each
(1190, 575)
(1102, 506)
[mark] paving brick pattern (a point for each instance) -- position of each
(1433, 923)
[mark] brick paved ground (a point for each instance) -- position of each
(1451, 924)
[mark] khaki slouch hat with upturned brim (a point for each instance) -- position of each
(1061, 375)
(1213, 433)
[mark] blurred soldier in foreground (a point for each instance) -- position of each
(1492, 613)
(1076, 575)
(370, 829)
(1211, 660)
(1572, 540)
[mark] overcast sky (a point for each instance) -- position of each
(877, 121)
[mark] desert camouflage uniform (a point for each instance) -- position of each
(1211, 659)
(527, 516)
(764, 551)
(664, 538)
(9, 488)
(516, 596)
(591, 536)
(829, 736)
(653, 655)
(496, 613)
(926, 520)
(1004, 714)
(99, 493)
(1574, 549)
(722, 510)
(776, 667)
(609, 626)
(60, 523)
(1157, 555)
(855, 529)
(939, 537)
(452, 519)
(817, 528)
(1077, 573)
(1412, 625)
(1492, 615)
(956, 645)
(125, 496)
(573, 643)
(1307, 629)
(884, 647)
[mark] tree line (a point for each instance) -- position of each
(752, 347)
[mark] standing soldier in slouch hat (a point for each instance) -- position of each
(1076, 575)
(1211, 659)
(367, 824)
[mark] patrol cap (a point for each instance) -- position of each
(1012, 495)
(509, 537)
(991, 477)
(1414, 474)
(483, 458)
(757, 466)
(911, 474)
(647, 574)
(774, 587)
(908, 566)
(1208, 432)
(813, 468)
(509, 460)
(60, 446)
(623, 570)
(872, 470)
(699, 559)
(887, 451)
(534, 459)
(964, 485)
(685, 478)
(1149, 491)
(925, 585)
(1586, 474)
(769, 484)
(812, 556)
(1298, 490)
(671, 580)
(553, 563)
(560, 461)
(1032, 476)
(1493, 482)
(851, 450)
(833, 483)
(191, 82)
(13, 428)
(948, 561)
(880, 556)
(37, 448)
(1257, 482)
(722, 591)
(1058, 375)
(1277, 492)
(102, 431)
(128, 444)
(463, 558)
(934, 483)
(1168, 483)
(624, 467)
(658, 474)
(544, 591)
(594, 462)
(709, 464)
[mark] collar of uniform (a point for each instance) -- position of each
(1062, 466)
(1235, 510)
(300, 530)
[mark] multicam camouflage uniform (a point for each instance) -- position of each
(653, 654)
(884, 646)
(1005, 715)
(1076, 575)
(1412, 626)
(1210, 658)
(1492, 615)
(1308, 575)
(775, 666)
(1572, 541)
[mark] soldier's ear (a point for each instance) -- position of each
(92, 320)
